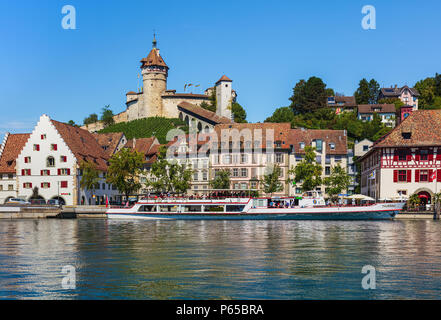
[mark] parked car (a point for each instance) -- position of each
(38, 201)
(17, 201)
(53, 202)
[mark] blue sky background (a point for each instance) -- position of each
(265, 47)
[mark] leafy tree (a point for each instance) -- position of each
(270, 180)
(124, 170)
(438, 85)
(308, 96)
(426, 88)
(208, 106)
(239, 113)
(367, 92)
(169, 176)
(72, 123)
(283, 114)
(92, 118)
(396, 101)
(35, 194)
(414, 200)
(107, 116)
(338, 181)
(308, 171)
(221, 180)
(90, 177)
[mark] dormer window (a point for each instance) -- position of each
(332, 146)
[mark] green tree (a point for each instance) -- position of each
(221, 180)
(72, 123)
(90, 176)
(208, 106)
(438, 85)
(169, 176)
(239, 113)
(124, 171)
(92, 118)
(308, 96)
(308, 171)
(338, 181)
(107, 116)
(414, 200)
(426, 89)
(367, 92)
(283, 114)
(270, 180)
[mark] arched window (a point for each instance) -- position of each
(50, 161)
(199, 127)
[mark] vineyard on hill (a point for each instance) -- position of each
(147, 127)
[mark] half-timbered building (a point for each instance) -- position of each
(406, 161)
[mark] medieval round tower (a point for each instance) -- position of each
(154, 77)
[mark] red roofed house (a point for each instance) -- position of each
(9, 150)
(407, 160)
(50, 160)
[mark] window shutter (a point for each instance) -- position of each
(417, 175)
(395, 156)
(30, 185)
(395, 175)
(26, 160)
(68, 172)
(430, 157)
(48, 184)
(38, 147)
(55, 147)
(409, 157)
(409, 175)
(24, 185)
(430, 175)
(417, 157)
(438, 175)
(59, 171)
(438, 155)
(41, 172)
(22, 172)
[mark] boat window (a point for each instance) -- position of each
(169, 208)
(151, 208)
(259, 202)
(188, 208)
(213, 208)
(235, 208)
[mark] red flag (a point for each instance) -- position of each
(107, 201)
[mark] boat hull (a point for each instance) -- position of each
(359, 215)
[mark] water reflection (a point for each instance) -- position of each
(219, 259)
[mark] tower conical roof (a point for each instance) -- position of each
(224, 78)
(153, 59)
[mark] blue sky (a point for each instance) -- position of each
(265, 47)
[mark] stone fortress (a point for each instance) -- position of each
(155, 100)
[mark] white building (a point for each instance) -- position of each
(50, 161)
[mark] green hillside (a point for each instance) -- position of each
(147, 127)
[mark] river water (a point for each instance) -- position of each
(219, 259)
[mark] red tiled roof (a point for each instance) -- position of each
(149, 147)
(421, 126)
(109, 141)
(338, 137)
(130, 93)
(14, 145)
(196, 110)
(224, 78)
(369, 108)
(83, 145)
(348, 100)
(153, 59)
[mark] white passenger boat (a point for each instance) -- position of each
(309, 207)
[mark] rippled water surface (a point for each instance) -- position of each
(219, 259)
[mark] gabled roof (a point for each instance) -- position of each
(421, 127)
(224, 78)
(12, 148)
(109, 141)
(307, 136)
(83, 144)
(395, 91)
(149, 147)
(370, 108)
(202, 113)
(153, 59)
